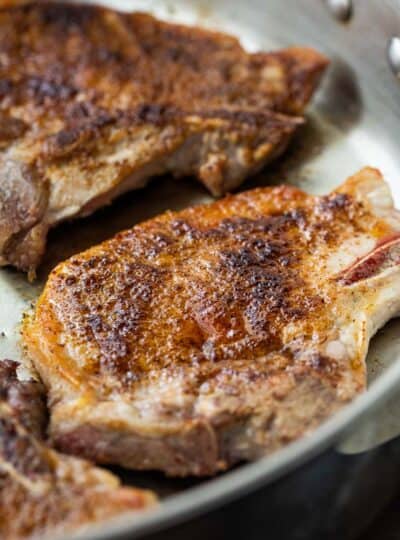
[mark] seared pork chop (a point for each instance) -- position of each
(219, 333)
(94, 102)
(43, 493)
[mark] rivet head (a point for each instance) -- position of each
(342, 10)
(393, 55)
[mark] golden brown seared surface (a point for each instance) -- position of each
(221, 332)
(43, 493)
(110, 62)
(89, 96)
(203, 318)
(201, 286)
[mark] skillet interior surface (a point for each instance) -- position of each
(352, 123)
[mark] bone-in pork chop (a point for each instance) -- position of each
(94, 102)
(44, 493)
(219, 333)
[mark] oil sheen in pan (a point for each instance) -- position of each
(333, 145)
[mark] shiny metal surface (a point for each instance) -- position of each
(341, 9)
(393, 54)
(353, 122)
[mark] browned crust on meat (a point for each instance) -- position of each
(209, 328)
(144, 61)
(23, 203)
(42, 493)
(79, 82)
(25, 397)
(81, 138)
(247, 283)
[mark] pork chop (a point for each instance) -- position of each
(44, 493)
(94, 103)
(219, 333)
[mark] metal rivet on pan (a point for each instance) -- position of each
(393, 54)
(341, 9)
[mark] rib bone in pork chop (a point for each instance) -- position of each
(220, 333)
(44, 493)
(94, 102)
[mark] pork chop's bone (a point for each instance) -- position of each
(385, 256)
(378, 273)
(373, 279)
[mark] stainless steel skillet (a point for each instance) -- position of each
(310, 490)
